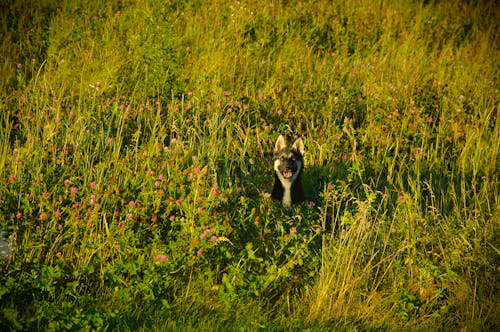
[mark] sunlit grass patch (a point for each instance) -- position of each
(135, 165)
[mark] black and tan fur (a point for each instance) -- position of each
(288, 166)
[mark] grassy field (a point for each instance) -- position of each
(136, 142)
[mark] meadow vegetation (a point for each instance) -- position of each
(135, 165)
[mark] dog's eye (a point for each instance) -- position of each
(282, 158)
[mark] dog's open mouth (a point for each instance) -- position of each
(287, 174)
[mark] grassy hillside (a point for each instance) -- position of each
(135, 165)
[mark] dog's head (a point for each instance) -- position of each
(288, 162)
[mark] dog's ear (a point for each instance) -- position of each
(298, 145)
(280, 144)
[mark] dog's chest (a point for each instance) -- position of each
(287, 195)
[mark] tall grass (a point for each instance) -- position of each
(134, 159)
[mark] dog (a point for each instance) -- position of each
(288, 166)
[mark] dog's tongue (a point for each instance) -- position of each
(287, 174)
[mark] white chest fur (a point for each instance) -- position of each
(287, 194)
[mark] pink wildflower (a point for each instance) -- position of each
(161, 258)
(178, 202)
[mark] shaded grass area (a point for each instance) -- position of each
(135, 165)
